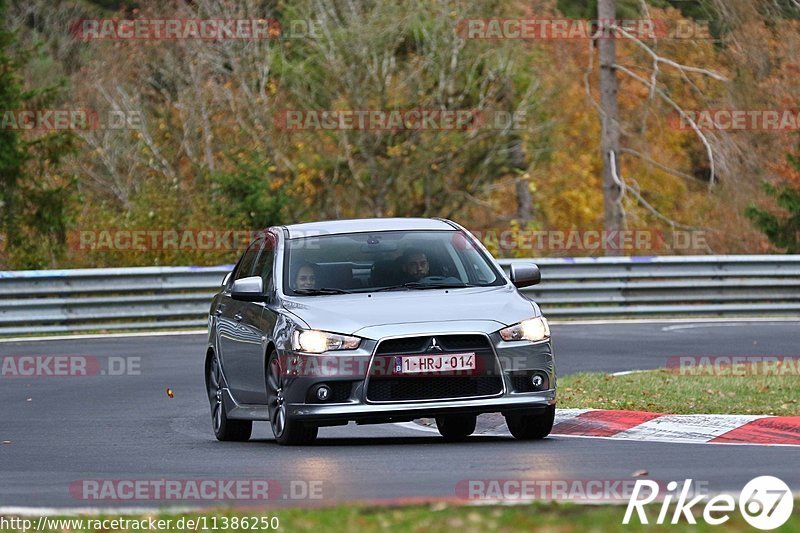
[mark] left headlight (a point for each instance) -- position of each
(314, 341)
(533, 329)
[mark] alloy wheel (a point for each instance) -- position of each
(275, 400)
(215, 393)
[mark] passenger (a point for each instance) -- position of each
(306, 276)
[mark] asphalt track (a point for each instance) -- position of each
(55, 431)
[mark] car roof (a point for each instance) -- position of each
(333, 227)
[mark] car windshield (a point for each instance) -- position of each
(385, 260)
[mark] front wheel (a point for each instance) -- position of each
(286, 431)
(456, 427)
(531, 427)
(225, 429)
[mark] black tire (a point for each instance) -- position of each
(287, 432)
(531, 427)
(456, 427)
(225, 429)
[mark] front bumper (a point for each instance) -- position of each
(514, 359)
(378, 413)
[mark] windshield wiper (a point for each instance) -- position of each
(321, 291)
(422, 286)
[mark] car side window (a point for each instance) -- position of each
(265, 262)
(245, 267)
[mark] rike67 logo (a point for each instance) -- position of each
(765, 503)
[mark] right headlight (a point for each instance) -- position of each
(313, 341)
(533, 329)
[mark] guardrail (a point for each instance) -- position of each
(45, 301)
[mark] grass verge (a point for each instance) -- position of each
(666, 391)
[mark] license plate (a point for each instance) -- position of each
(418, 364)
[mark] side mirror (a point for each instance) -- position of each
(525, 274)
(226, 278)
(248, 289)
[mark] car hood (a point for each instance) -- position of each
(359, 314)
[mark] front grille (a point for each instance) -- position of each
(385, 385)
(408, 345)
(417, 345)
(457, 343)
(427, 388)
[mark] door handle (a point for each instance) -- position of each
(238, 317)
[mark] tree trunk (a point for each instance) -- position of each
(524, 200)
(609, 136)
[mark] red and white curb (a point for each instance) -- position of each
(712, 429)
(657, 427)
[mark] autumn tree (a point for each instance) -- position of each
(782, 225)
(33, 208)
(389, 56)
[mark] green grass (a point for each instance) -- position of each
(665, 391)
(441, 517)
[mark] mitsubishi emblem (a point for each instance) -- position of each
(434, 346)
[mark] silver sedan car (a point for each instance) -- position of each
(376, 321)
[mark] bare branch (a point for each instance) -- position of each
(660, 59)
(663, 167)
(640, 198)
(612, 158)
(684, 115)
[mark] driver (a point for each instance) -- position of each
(306, 276)
(414, 264)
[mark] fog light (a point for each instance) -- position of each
(323, 393)
(537, 380)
